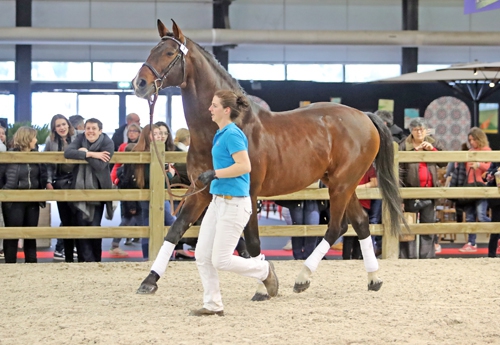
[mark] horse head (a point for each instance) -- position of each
(165, 65)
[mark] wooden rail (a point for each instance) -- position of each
(157, 194)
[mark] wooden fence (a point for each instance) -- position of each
(157, 194)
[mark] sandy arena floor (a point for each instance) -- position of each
(445, 301)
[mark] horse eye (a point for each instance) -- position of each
(170, 54)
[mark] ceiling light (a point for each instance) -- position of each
(492, 84)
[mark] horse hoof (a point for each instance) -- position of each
(301, 287)
(375, 286)
(147, 289)
(148, 285)
(259, 297)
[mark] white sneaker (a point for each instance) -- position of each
(288, 245)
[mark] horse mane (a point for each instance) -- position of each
(223, 73)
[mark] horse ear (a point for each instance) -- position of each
(162, 29)
(177, 32)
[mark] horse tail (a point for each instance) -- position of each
(384, 162)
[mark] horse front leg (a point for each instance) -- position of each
(334, 231)
(360, 222)
(252, 240)
(190, 212)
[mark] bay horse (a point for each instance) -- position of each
(288, 151)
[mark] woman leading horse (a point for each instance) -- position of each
(333, 142)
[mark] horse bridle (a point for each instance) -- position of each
(182, 52)
(158, 83)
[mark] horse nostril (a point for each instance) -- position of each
(142, 83)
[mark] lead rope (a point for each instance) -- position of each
(190, 188)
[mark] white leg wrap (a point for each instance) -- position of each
(161, 262)
(369, 258)
(317, 255)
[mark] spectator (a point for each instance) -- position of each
(178, 174)
(137, 176)
(120, 135)
(97, 149)
(133, 133)
(182, 139)
(60, 176)
(3, 139)
(422, 175)
(351, 248)
(3, 148)
(304, 212)
(471, 172)
(22, 176)
(77, 121)
(494, 204)
(388, 118)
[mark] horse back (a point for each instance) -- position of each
(292, 149)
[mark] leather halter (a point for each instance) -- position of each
(182, 52)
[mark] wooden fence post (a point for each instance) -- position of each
(156, 200)
(390, 243)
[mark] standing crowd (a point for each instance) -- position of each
(84, 140)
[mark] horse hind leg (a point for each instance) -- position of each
(303, 280)
(360, 223)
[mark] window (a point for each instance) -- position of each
(115, 71)
(427, 68)
(363, 73)
(47, 104)
(60, 71)
(311, 72)
(140, 106)
(7, 70)
(7, 108)
(102, 107)
(178, 119)
(244, 71)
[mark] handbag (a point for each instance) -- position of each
(411, 218)
(468, 201)
(64, 182)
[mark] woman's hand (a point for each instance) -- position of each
(103, 156)
(49, 186)
(171, 169)
(425, 146)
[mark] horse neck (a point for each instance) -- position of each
(204, 76)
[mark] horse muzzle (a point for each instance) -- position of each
(142, 88)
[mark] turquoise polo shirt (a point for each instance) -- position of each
(228, 141)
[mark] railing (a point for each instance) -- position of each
(157, 194)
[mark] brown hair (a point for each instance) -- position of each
(479, 136)
(23, 137)
(169, 143)
(53, 133)
(237, 102)
(143, 145)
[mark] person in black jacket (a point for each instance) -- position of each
(22, 176)
(494, 204)
(388, 118)
(97, 149)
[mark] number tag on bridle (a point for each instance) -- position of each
(183, 48)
